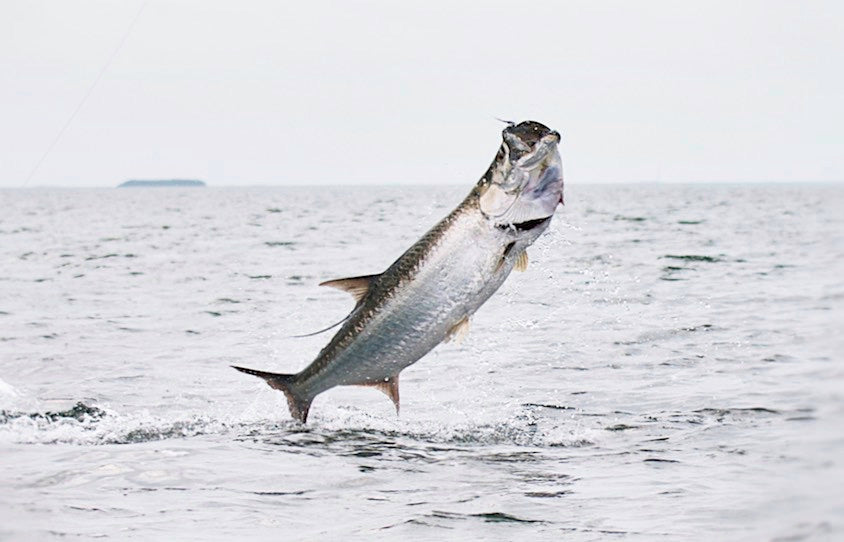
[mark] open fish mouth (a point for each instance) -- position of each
(527, 225)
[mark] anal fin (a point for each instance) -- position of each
(390, 388)
(459, 330)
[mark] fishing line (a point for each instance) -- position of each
(509, 123)
(87, 94)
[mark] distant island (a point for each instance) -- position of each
(166, 182)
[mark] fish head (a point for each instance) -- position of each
(524, 183)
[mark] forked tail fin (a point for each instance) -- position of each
(298, 404)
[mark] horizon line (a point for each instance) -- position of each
(422, 184)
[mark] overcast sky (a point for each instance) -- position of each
(406, 92)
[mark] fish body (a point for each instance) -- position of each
(429, 293)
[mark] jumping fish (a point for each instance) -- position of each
(430, 292)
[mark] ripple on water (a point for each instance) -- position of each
(643, 358)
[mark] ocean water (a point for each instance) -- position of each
(669, 367)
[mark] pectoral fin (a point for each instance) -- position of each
(459, 331)
(521, 262)
(357, 286)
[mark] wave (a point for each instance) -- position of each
(351, 430)
(84, 424)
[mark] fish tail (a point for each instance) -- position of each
(298, 403)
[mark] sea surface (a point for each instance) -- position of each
(669, 367)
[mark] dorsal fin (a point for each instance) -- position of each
(357, 286)
(323, 330)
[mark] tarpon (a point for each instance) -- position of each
(430, 292)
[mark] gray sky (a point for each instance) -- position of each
(405, 92)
